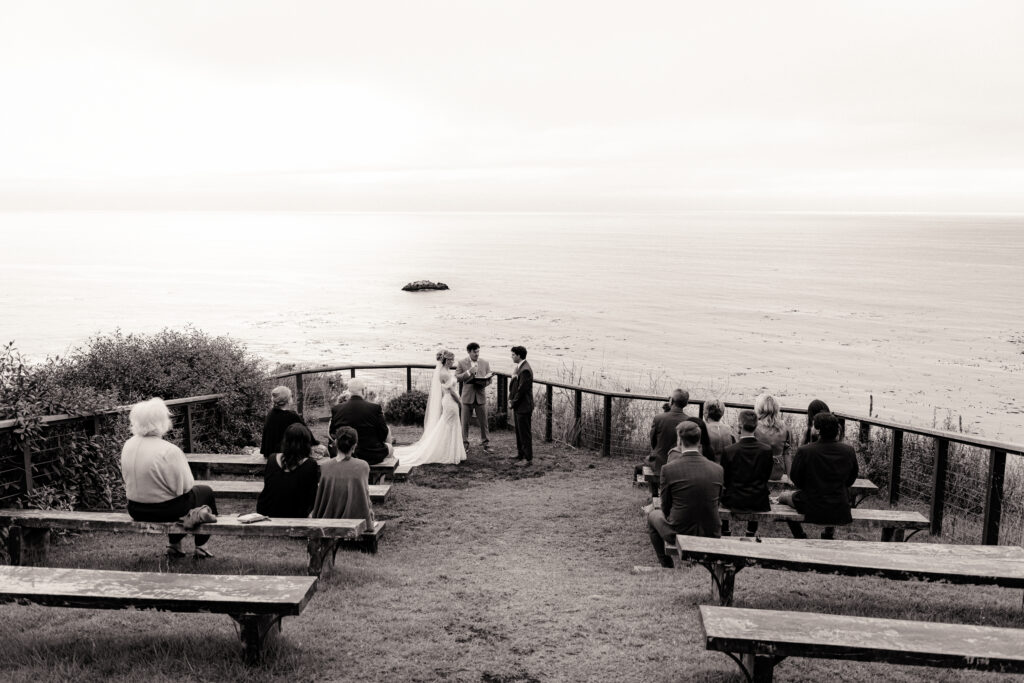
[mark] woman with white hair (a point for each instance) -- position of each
(772, 431)
(278, 419)
(157, 478)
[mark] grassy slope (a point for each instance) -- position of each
(488, 573)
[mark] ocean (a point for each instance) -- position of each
(922, 313)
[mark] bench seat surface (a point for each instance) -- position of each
(102, 589)
(247, 461)
(235, 488)
(859, 486)
(938, 561)
(225, 525)
(903, 519)
(807, 634)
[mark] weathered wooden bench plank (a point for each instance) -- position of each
(861, 489)
(250, 488)
(759, 639)
(28, 539)
(257, 603)
(892, 522)
(956, 564)
(402, 472)
(204, 465)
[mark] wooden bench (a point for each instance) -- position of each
(402, 472)
(250, 488)
(861, 489)
(204, 465)
(893, 523)
(256, 602)
(758, 640)
(956, 564)
(29, 537)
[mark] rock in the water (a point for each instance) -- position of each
(423, 285)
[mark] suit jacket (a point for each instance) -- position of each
(472, 392)
(367, 419)
(747, 466)
(823, 471)
(521, 389)
(691, 486)
(664, 439)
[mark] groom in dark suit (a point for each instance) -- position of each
(521, 400)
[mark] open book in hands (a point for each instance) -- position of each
(481, 379)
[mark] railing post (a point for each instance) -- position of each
(187, 426)
(300, 393)
(26, 454)
(939, 484)
(502, 394)
(896, 466)
(352, 372)
(864, 432)
(606, 445)
(700, 409)
(577, 430)
(94, 425)
(408, 379)
(549, 396)
(994, 496)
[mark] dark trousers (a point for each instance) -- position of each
(524, 435)
(174, 509)
(796, 528)
(660, 531)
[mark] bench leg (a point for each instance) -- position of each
(892, 534)
(27, 546)
(321, 556)
(762, 668)
(723, 576)
(256, 631)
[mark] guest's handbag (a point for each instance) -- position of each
(197, 516)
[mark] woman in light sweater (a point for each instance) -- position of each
(157, 478)
(343, 492)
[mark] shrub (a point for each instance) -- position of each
(175, 364)
(407, 408)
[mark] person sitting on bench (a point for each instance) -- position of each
(291, 476)
(278, 419)
(823, 472)
(157, 478)
(343, 492)
(691, 486)
(747, 466)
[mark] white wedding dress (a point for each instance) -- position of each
(442, 428)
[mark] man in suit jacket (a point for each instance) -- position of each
(663, 434)
(474, 393)
(521, 399)
(823, 472)
(747, 466)
(367, 418)
(691, 486)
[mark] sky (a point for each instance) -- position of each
(553, 105)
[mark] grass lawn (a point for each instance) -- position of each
(488, 572)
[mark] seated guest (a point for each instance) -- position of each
(343, 492)
(691, 486)
(157, 479)
(367, 419)
(719, 433)
(823, 472)
(746, 467)
(771, 430)
(813, 409)
(291, 476)
(663, 434)
(278, 419)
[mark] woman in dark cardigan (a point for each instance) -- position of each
(278, 419)
(291, 476)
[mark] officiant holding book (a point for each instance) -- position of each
(474, 373)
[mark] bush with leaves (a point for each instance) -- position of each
(407, 408)
(176, 364)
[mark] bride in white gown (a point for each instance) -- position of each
(442, 425)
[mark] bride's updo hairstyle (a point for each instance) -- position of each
(444, 355)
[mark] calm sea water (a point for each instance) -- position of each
(922, 312)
